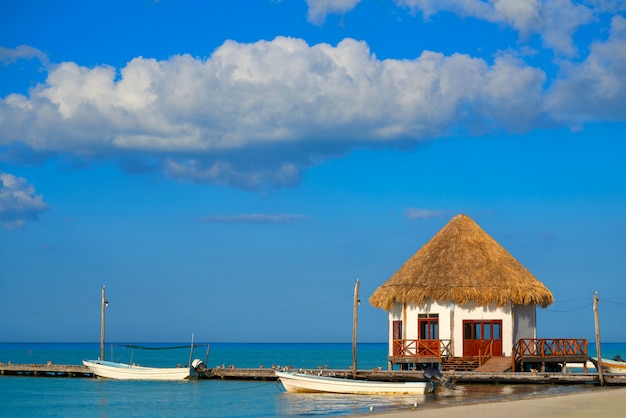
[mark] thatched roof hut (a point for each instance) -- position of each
(462, 263)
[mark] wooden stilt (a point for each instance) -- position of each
(598, 349)
(354, 326)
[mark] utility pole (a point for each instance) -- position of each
(105, 303)
(354, 326)
(597, 322)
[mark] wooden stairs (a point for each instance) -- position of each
(495, 365)
(470, 364)
(460, 364)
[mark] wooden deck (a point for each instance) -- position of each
(44, 370)
(529, 354)
(540, 352)
(233, 373)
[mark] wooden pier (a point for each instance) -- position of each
(44, 370)
(233, 373)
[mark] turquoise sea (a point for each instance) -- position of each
(74, 397)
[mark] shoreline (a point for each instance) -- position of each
(605, 401)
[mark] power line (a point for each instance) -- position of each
(615, 303)
(570, 300)
(582, 307)
(571, 310)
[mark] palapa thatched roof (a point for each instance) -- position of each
(462, 263)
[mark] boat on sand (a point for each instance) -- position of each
(617, 365)
(301, 382)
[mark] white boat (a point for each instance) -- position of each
(611, 366)
(578, 367)
(122, 371)
(301, 382)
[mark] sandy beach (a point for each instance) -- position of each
(601, 402)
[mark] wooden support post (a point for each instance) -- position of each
(191, 351)
(354, 326)
(598, 349)
(104, 304)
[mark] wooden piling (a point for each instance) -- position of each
(598, 349)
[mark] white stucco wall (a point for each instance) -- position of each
(409, 316)
(525, 322)
(409, 320)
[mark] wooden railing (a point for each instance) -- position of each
(549, 348)
(422, 349)
(485, 351)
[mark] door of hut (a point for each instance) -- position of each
(398, 346)
(428, 332)
(480, 336)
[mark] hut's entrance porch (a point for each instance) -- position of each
(409, 353)
(528, 353)
(548, 353)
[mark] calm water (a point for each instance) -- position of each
(28, 396)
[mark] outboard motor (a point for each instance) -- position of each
(431, 373)
(435, 377)
(199, 367)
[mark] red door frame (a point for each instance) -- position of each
(397, 337)
(428, 334)
(476, 333)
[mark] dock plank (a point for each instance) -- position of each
(45, 370)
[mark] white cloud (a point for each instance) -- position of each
(415, 213)
(210, 120)
(256, 115)
(559, 22)
(610, 6)
(596, 88)
(254, 218)
(11, 55)
(18, 202)
(224, 173)
(554, 20)
(319, 9)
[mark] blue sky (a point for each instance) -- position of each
(229, 168)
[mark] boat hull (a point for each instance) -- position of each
(305, 383)
(121, 371)
(612, 366)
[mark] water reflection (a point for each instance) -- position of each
(302, 404)
(317, 404)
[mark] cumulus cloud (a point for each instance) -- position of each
(256, 115)
(255, 218)
(595, 88)
(610, 6)
(555, 21)
(18, 202)
(319, 9)
(211, 120)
